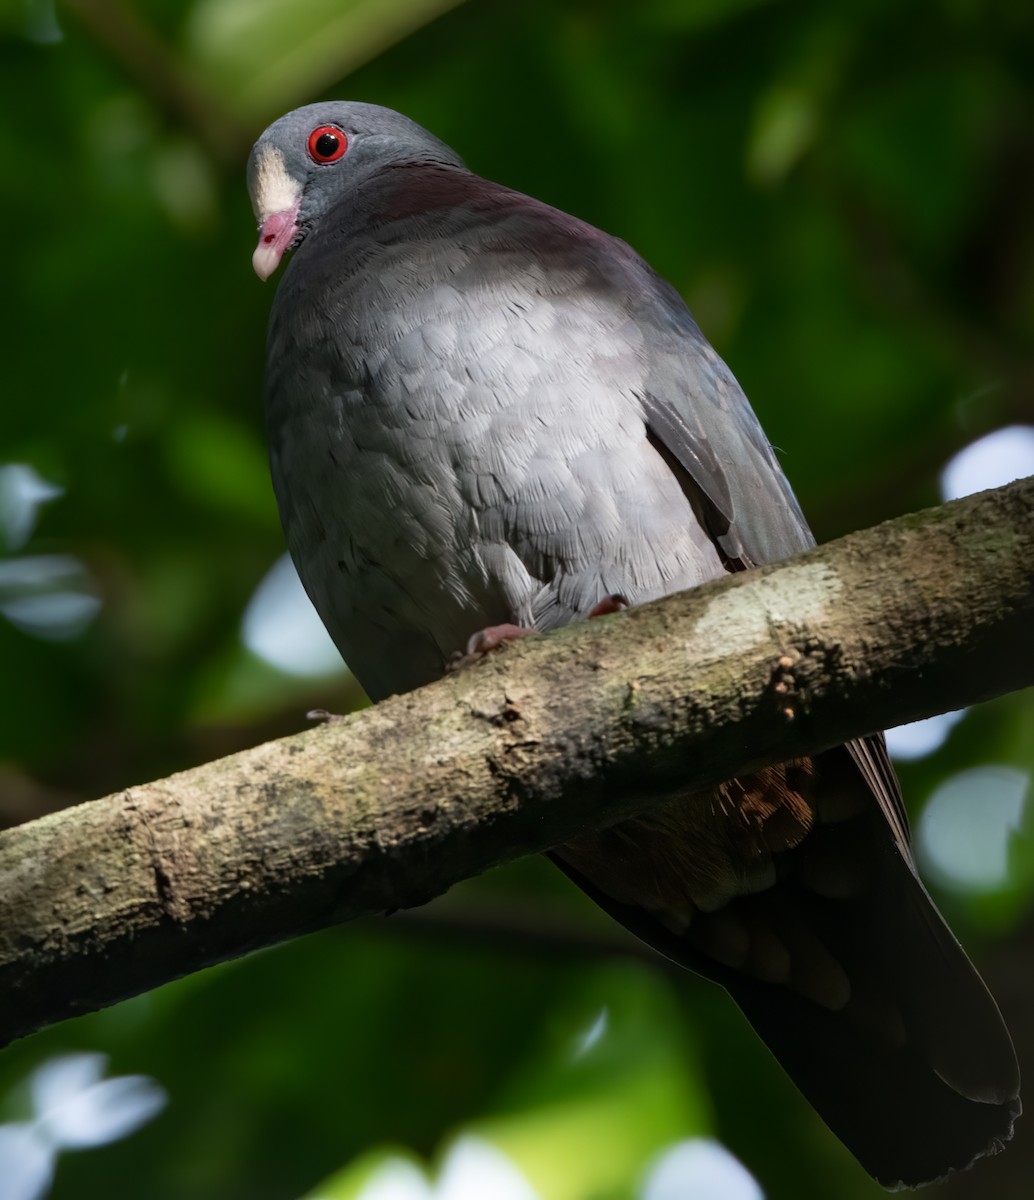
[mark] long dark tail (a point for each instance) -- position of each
(881, 1019)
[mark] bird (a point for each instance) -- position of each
(486, 418)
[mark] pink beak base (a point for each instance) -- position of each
(276, 234)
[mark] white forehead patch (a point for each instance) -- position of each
(273, 189)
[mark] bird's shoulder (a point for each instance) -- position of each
(419, 202)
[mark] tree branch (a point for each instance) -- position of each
(391, 806)
(118, 28)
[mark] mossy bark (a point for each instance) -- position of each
(389, 807)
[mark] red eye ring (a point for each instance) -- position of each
(327, 144)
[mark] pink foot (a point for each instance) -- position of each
(609, 604)
(485, 642)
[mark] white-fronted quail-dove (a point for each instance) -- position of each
(483, 413)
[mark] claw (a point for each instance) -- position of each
(609, 604)
(484, 642)
(322, 716)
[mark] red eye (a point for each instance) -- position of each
(327, 144)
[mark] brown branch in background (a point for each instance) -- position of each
(129, 42)
(389, 807)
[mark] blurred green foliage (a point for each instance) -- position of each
(845, 195)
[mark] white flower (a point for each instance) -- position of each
(701, 1168)
(73, 1108)
(473, 1170)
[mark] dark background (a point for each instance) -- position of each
(844, 194)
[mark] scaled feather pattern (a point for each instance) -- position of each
(483, 412)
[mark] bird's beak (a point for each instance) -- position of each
(276, 197)
(276, 233)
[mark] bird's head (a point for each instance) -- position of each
(313, 156)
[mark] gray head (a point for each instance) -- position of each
(307, 159)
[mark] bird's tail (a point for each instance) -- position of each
(851, 977)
